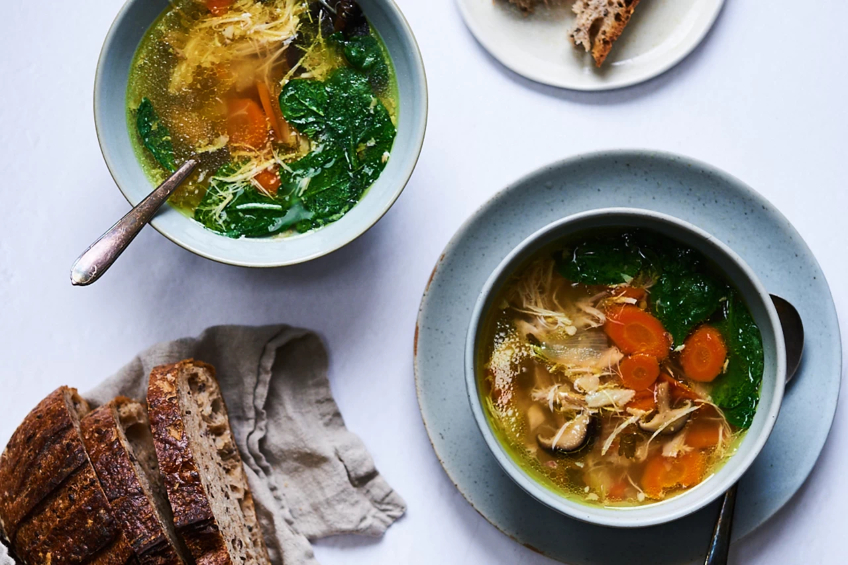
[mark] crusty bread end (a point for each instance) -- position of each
(599, 24)
(52, 506)
(526, 6)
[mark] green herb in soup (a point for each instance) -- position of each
(289, 105)
(620, 369)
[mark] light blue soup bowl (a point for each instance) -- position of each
(754, 295)
(110, 117)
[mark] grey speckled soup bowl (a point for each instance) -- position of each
(110, 116)
(754, 295)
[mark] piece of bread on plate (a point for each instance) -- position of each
(201, 466)
(526, 6)
(119, 443)
(599, 23)
(52, 507)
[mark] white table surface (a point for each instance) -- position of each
(763, 98)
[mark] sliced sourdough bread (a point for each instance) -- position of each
(526, 6)
(52, 507)
(599, 24)
(118, 441)
(203, 472)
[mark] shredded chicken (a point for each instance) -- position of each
(559, 398)
(620, 428)
(615, 397)
(676, 445)
(665, 416)
(587, 383)
(248, 28)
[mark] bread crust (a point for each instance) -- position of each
(52, 505)
(525, 6)
(611, 17)
(193, 516)
(130, 503)
(42, 453)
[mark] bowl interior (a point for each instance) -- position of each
(754, 295)
(110, 118)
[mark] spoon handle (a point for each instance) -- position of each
(720, 544)
(91, 265)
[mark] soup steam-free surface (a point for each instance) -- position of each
(619, 368)
(290, 107)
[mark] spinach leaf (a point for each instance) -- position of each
(352, 134)
(360, 122)
(683, 297)
(604, 260)
(324, 182)
(737, 392)
(236, 209)
(373, 145)
(364, 53)
(304, 104)
(154, 135)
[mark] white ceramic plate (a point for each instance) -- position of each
(660, 34)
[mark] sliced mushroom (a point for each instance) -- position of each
(666, 420)
(669, 422)
(571, 437)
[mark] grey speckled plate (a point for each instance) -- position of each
(691, 191)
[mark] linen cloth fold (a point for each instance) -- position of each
(310, 476)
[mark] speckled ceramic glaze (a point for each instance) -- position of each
(110, 91)
(680, 187)
(750, 289)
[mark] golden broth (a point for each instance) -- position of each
(546, 361)
(231, 62)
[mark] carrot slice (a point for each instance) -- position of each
(246, 123)
(643, 400)
(694, 465)
(703, 433)
(639, 371)
(218, 7)
(618, 490)
(663, 473)
(635, 331)
(703, 355)
(269, 179)
(654, 476)
(630, 292)
(279, 125)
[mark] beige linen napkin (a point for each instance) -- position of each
(310, 476)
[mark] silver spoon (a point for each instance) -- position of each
(793, 335)
(91, 265)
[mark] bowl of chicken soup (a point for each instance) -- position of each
(624, 367)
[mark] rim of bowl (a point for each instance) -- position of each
(406, 175)
(636, 516)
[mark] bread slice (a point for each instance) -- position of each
(118, 441)
(526, 6)
(599, 24)
(52, 507)
(202, 468)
